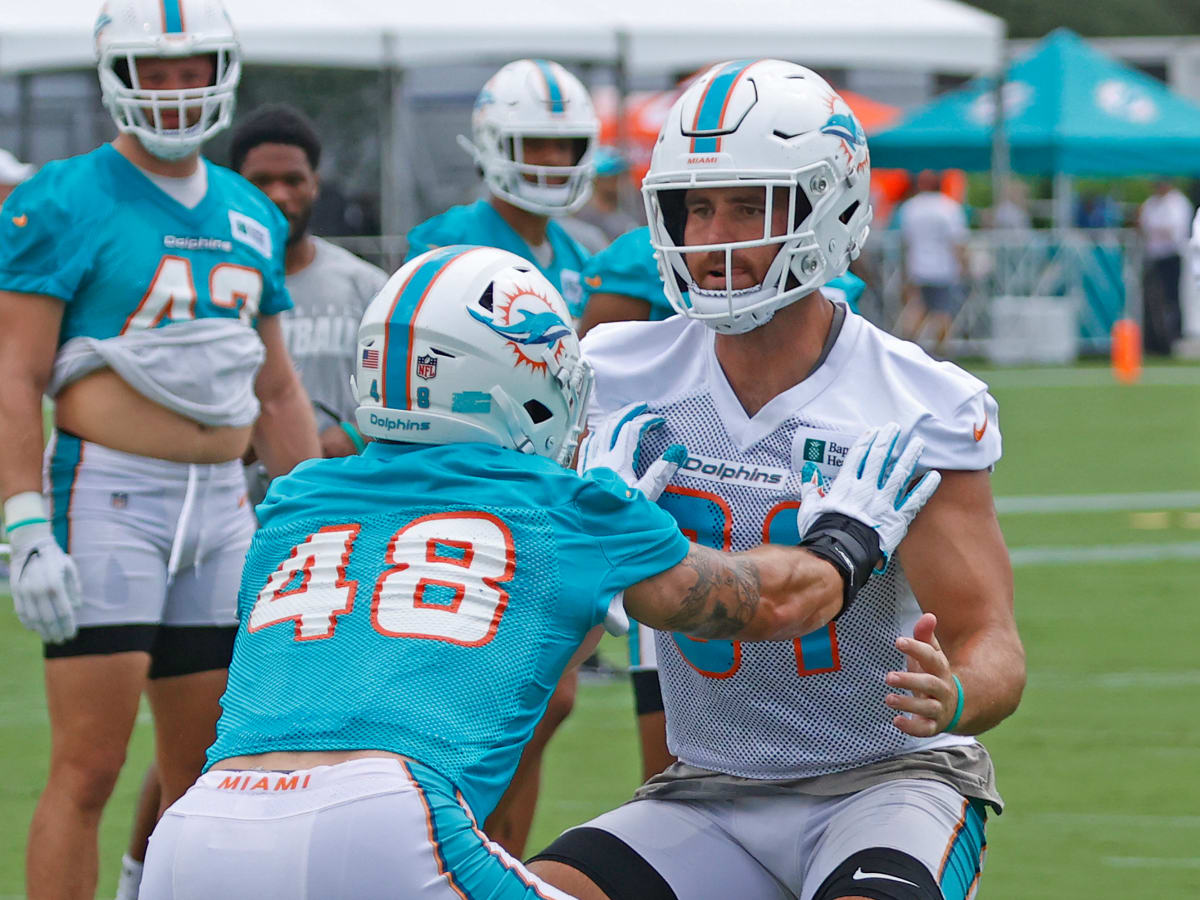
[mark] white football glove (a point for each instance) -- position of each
(616, 444)
(45, 583)
(872, 487)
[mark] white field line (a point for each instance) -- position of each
(1167, 376)
(1179, 678)
(1152, 862)
(1113, 553)
(1068, 503)
(1113, 820)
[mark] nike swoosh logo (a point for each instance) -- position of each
(21, 221)
(30, 558)
(978, 430)
(593, 281)
(860, 875)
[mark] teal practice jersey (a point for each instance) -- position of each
(479, 223)
(94, 231)
(627, 266)
(424, 600)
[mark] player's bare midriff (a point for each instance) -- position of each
(290, 760)
(104, 409)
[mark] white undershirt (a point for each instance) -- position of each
(187, 191)
(543, 253)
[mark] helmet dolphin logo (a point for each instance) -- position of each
(845, 127)
(534, 328)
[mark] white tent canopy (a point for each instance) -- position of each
(663, 36)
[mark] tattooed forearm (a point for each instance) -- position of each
(723, 597)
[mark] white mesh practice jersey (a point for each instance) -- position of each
(783, 710)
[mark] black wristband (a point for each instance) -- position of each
(849, 545)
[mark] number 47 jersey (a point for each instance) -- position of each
(424, 600)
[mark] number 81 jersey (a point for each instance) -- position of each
(813, 706)
(424, 599)
(95, 232)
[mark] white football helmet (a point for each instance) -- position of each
(769, 124)
(128, 30)
(471, 344)
(534, 98)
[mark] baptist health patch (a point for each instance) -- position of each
(825, 448)
(251, 232)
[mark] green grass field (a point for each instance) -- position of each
(1099, 765)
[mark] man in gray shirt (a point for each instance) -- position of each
(277, 149)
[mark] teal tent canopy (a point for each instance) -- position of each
(1067, 108)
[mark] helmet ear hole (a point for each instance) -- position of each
(848, 213)
(486, 298)
(538, 411)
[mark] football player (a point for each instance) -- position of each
(139, 287)
(406, 613)
(623, 283)
(277, 149)
(533, 138)
(842, 764)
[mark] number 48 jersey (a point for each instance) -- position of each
(785, 710)
(94, 231)
(425, 599)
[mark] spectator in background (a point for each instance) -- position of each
(1098, 209)
(933, 229)
(1012, 212)
(603, 220)
(12, 173)
(277, 149)
(1164, 222)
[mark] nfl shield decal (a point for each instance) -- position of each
(427, 367)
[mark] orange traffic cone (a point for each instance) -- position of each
(1127, 351)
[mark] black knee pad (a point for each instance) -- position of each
(880, 873)
(614, 866)
(188, 649)
(647, 692)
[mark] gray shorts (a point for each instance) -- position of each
(942, 298)
(156, 542)
(782, 847)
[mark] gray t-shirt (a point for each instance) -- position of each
(329, 297)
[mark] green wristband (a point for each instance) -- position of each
(355, 438)
(15, 525)
(958, 710)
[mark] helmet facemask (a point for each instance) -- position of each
(542, 190)
(800, 266)
(527, 100)
(772, 127)
(202, 111)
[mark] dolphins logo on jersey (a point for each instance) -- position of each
(526, 318)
